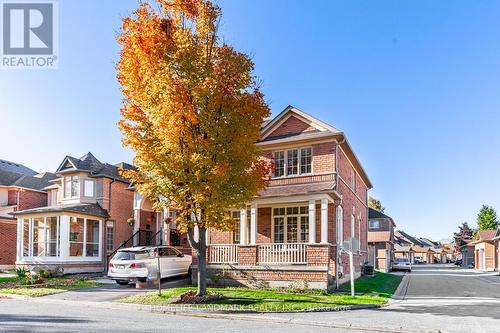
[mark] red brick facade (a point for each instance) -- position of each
(8, 237)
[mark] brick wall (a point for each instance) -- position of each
(247, 255)
(30, 199)
(318, 255)
(11, 197)
(120, 210)
(8, 237)
(291, 126)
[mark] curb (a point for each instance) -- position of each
(400, 292)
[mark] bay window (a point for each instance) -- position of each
(71, 186)
(88, 188)
(40, 237)
(290, 224)
(292, 162)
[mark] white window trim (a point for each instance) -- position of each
(285, 222)
(71, 182)
(340, 225)
(31, 237)
(299, 157)
(371, 224)
(85, 182)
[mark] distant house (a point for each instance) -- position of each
(84, 218)
(20, 188)
(410, 243)
(404, 251)
(380, 240)
(467, 248)
(484, 250)
(423, 254)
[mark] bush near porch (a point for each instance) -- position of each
(258, 300)
(47, 286)
(381, 284)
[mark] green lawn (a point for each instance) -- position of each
(18, 286)
(383, 284)
(260, 300)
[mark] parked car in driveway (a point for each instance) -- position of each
(401, 264)
(141, 264)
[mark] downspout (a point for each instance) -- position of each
(337, 248)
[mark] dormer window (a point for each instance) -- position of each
(292, 162)
(71, 186)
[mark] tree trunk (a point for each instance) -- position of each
(202, 268)
(200, 246)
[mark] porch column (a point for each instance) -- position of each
(243, 227)
(166, 226)
(324, 221)
(64, 236)
(19, 251)
(137, 224)
(253, 224)
(312, 221)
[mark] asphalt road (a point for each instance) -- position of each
(434, 298)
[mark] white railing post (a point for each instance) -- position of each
(282, 253)
(223, 254)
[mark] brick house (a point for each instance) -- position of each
(380, 240)
(485, 250)
(84, 218)
(293, 230)
(20, 188)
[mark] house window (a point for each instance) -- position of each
(305, 160)
(110, 235)
(84, 237)
(292, 162)
(290, 224)
(71, 187)
(279, 164)
(236, 217)
(353, 179)
(40, 237)
(53, 198)
(374, 224)
(340, 225)
(88, 188)
(92, 239)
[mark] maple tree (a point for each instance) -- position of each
(192, 112)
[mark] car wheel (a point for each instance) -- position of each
(122, 282)
(189, 272)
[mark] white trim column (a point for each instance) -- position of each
(253, 224)
(137, 223)
(64, 236)
(166, 226)
(243, 227)
(20, 233)
(312, 221)
(324, 221)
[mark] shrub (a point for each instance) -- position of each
(299, 286)
(21, 272)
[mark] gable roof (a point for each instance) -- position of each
(37, 182)
(321, 130)
(484, 235)
(410, 239)
(428, 242)
(401, 248)
(16, 168)
(89, 163)
(375, 214)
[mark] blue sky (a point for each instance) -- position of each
(414, 84)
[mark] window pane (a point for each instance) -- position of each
(89, 188)
(38, 238)
(292, 210)
(76, 237)
(26, 237)
(92, 238)
(279, 229)
(291, 229)
(304, 210)
(236, 234)
(75, 187)
(279, 163)
(304, 229)
(67, 187)
(235, 214)
(305, 160)
(52, 236)
(292, 162)
(110, 235)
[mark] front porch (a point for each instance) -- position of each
(277, 242)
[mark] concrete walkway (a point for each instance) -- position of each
(112, 291)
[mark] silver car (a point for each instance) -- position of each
(402, 264)
(141, 264)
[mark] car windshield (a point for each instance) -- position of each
(402, 260)
(131, 255)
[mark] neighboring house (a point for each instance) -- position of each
(424, 254)
(438, 255)
(18, 191)
(293, 230)
(85, 218)
(404, 251)
(380, 240)
(408, 243)
(467, 248)
(484, 250)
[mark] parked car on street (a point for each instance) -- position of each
(401, 264)
(141, 264)
(458, 262)
(418, 260)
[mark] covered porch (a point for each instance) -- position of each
(277, 241)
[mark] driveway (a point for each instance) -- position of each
(111, 291)
(433, 297)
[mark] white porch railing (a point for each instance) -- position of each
(282, 253)
(223, 254)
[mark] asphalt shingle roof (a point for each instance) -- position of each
(93, 209)
(90, 163)
(412, 239)
(37, 182)
(16, 168)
